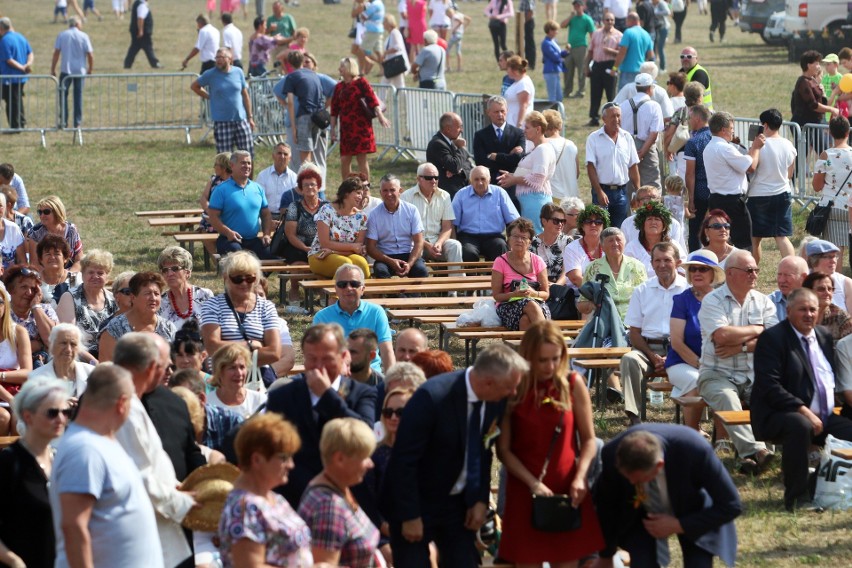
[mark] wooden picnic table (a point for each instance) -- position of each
(423, 289)
(169, 221)
(416, 314)
(471, 338)
(843, 453)
(399, 285)
(171, 213)
(411, 303)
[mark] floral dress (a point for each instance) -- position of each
(342, 228)
(552, 255)
(12, 239)
(88, 320)
(119, 326)
(356, 130)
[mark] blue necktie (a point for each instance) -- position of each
(820, 388)
(499, 134)
(474, 455)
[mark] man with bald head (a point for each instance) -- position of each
(409, 343)
(448, 152)
(482, 212)
(792, 271)
(695, 72)
(635, 47)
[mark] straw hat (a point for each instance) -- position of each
(704, 257)
(211, 484)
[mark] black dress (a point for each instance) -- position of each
(26, 525)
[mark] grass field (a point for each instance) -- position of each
(115, 174)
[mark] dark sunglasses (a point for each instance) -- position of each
(125, 291)
(240, 278)
(53, 413)
(348, 283)
(430, 178)
(686, 56)
(701, 269)
(167, 269)
(750, 271)
(593, 222)
(718, 226)
(44, 211)
(557, 221)
(389, 412)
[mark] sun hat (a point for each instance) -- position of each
(704, 257)
(211, 484)
(831, 58)
(820, 246)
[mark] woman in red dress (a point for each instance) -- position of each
(546, 395)
(356, 130)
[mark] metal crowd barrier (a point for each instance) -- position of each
(40, 105)
(792, 132)
(268, 112)
(419, 113)
(814, 139)
(471, 108)
(387, 138)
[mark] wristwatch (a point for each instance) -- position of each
(3, 377)
(745, 348)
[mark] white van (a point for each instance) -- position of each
(816, 15)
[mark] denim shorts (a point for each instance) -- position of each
(771, 216)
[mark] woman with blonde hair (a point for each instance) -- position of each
(539, 447)
(394, 47)
(53, 220)
(566, 170)
(15, 359)
(230, 372)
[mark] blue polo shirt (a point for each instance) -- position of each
(13, 46)
(375, 14)
(367, 315)
(694, 150)
(638, 43)
(486, 215)
(240, 207)
(226, 103)
(393, 232)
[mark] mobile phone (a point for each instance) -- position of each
(754, 130)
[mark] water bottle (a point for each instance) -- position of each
(656, 398)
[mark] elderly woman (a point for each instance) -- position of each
(230, 372)
(836, 319)
(356, 128)
(715, 235)
(591, 222)
(653, 221)
(824, 256)
(682, 360)
(146, 290)
(301, 229)
(566, 172)
(53, 221)
(430, 63)
(572, 206)
(65, 346)
(30, 310)
(625, 273)
(551, 242)
(56, 279)
(24, 222)
(258, 527)
(341, 533)
(521, 94)
(341, 230)
(831, 181)
(89, 305)
(519, 281)
(239, 315)
(123, 300)
(15, 359)
(532, 176)
(433, 362)
(183, 300)
(394, 47)
(26, 526)
(12, 246)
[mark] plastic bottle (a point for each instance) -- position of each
(656, 398)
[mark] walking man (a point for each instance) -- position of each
(75, 47)
(141, 35)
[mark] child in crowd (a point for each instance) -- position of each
(673, 199)
(502, 63)
(458, 22)
(61, 9)
(188, 351)
(830, 77)
(552, 56)
(835, 96)
(299, 43)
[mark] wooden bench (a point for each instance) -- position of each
(400, 286)
(187, 240)
(182, 222)
(843, 453)
(171, 213)
(471, 338)
(430, 302)
(449, 328)
(743, 417)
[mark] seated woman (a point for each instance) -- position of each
(65, 346)
(188, 351)
(519, 282)
(12, 247)
(341, 533)
(823, 256)
(53, 221)
(591, 221)
(433, 362)
(341, 230)
(715, 235)
(29, 309)
(230, 372)
(146, 289)
(624, 272)
(15, 360)
(258, 527)
(837, 320)
(123, 300)
(24, 222)
(282, 366)
(89, 305)
(551, 242)
(53, 254)
(183, 300)
(572, 206)
(653, 221)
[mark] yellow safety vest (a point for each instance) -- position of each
(708, 96)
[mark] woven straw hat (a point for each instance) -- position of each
(211, 484)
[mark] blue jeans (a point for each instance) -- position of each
(77, 86)
(625, 78)
(224, 246)
(660, 46)
(618, 207)
(553, 81)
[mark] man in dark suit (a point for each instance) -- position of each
(310, 400)
(447, 151)
(437, 482)
(499, 146)
(792, 399)
(642, 498)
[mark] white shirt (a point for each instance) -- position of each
(142, 11)
(725, 167)
(635, 249)
(513, 105)
(651, 304)
(371, 204)
(843, 363)
(771, 176)
(658, 93)
(574, 257)
(649, 116)
(824, 373)
(207, 43)
(563, 183)
(631, 233)
(275, 185)
(249, 406)
(460, 483)
(618, 8)
(232, 37)
(433, 212)
(612, 159)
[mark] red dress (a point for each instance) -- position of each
(356, 131)
(532, 430)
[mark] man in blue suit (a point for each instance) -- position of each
(317, 396)
(437, 482)
(499, 146)
(661, 480)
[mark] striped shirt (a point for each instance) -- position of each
(263, 317)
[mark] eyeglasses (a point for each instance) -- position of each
(125, 291)
(827, 256)
(701, 269)
(44, 211)
(240, 278)
(430, 178)
(348, 284)
(719, 226)
(557, 221)
(571, 214)
(167, 269)
(53, 413)
(389, 412)
(593, 222)
(824, 289)
(750, 271)
(519, 237)
(686, 56)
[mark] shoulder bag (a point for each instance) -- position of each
(554, 513)
(818, 217)
(255, 379)
(681, 136)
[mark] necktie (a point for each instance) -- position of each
(474, 454)
(499, 134)
(655, 505)
(820, 388)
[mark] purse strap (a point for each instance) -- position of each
(237, 318)
(842, 184)
(556, 432)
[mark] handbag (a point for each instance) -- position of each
(321, 118)
(254, 380)
(554, 513)
(818, 217)
(680, 138)
(369, 112)
(279, 243)
(562, 303)
(393, 66)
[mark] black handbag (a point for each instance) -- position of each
(554, 513)
(562, 303)
(393, 66)
(818, 217)
(279, 243)
(321, 118)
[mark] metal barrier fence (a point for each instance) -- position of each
(814, 140)
(387, 138)
(792, 132)
(268, 113)
(39, 103)
(419, 112)
(471, 108)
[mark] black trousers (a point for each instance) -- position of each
(718, 15)
(456, 545)
(735, 207)
(678, 18)
(530, 48)
(490, 246)
(416, 270)
(695, 224)
(145, 44)
(498, 36)
(600, 82)
(13, 97)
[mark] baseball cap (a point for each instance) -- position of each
(644, 80)
(831, 58)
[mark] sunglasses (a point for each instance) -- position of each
(44, 211)
(125, 291)
(557, 221)
(593, 222)
(750, 271)
(348, 284)
(53, 413)
(389, 412)
(701, 269)
(241, 278)
(608, 106)
(719, 226)
(167, 269)
(686, 56)
(430, 178)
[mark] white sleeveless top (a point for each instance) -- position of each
(8, 356)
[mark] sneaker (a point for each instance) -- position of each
(568, 95)
(296, 309)
(614, 396)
